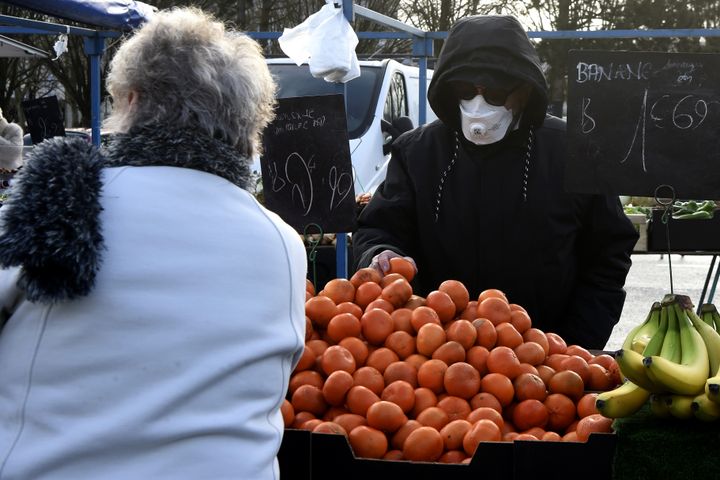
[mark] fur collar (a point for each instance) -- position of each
(50, 225)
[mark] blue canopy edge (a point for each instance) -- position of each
(111, 14)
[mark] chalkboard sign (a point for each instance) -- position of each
(638, 120)
(306, 167)
(43, 118)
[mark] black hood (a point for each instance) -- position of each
(482, 43)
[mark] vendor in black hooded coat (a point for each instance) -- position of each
(478, 195)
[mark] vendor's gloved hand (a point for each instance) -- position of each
(381, 261)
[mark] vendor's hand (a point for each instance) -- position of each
(381, 261)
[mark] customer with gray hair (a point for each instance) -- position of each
(154, 309)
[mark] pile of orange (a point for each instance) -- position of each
(428, 379)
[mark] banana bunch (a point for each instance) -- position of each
(670, 361)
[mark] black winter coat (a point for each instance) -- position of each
(498, 216)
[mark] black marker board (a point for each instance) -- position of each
(306, 167)
(43, 118)
(638, 120)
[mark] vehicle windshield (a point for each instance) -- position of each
(294, 81)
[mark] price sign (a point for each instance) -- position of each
(638, 120)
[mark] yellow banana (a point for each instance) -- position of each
(716, 319)
(680, 406)
(689, 376)
(706, 313)
(711, 339)
(705, 409)
(659, 405)
(622, 401)
(671, 343)
(639, 337)
(630, 362)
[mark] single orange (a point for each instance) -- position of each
(454, 432)
(348, 421)
(343, 325)
(477, 357)
(594, 423)
(455, 407)
(402, 266)
(306, 377)
(424, 444)
(487, 413)
(463, 332)
(401, 320)
(486, 333)
(400, 370)
(367, 293)
(380, 358)
(482, 431)
(376, 325)
(530, 352)
(508, 336)
(368, 442)
(503, 360)
(529, 386)
(500, 386)
(424, 398)
(309, 398)
(385, 416)
(364, 275)
(494, 309)
(422, 315)
(450, 352)
(320, 309)
(556, 342)
(335, 358)
(359, 399)
(429, 338)
(336, 387)
(339, 290)
(431, 375)
(370, 378)
(530, 413)
(470, 311)
(457, 292)
(401, 393)
(538, 336)
(401, 342)
(485, 399)
(562, 411)
(357, 348)
(492, 292)
(329, 427)
(397, 293)
(442, 303)
(461, 380)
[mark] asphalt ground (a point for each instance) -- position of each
(649, 280)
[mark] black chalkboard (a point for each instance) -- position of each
(306, 167)
(43, 118)
(639, 120)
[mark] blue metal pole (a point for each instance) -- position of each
(94, 47)
(341, 247)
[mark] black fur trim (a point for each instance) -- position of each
(151, 145)
(50, 223)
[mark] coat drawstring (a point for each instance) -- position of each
(453, 159)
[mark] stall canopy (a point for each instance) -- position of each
(111, 14)
(10, 48)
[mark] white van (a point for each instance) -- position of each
(381, 103)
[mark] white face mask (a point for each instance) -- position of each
(482, 123)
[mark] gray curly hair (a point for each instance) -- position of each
(187, 70)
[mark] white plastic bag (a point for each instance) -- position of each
(326, 41)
